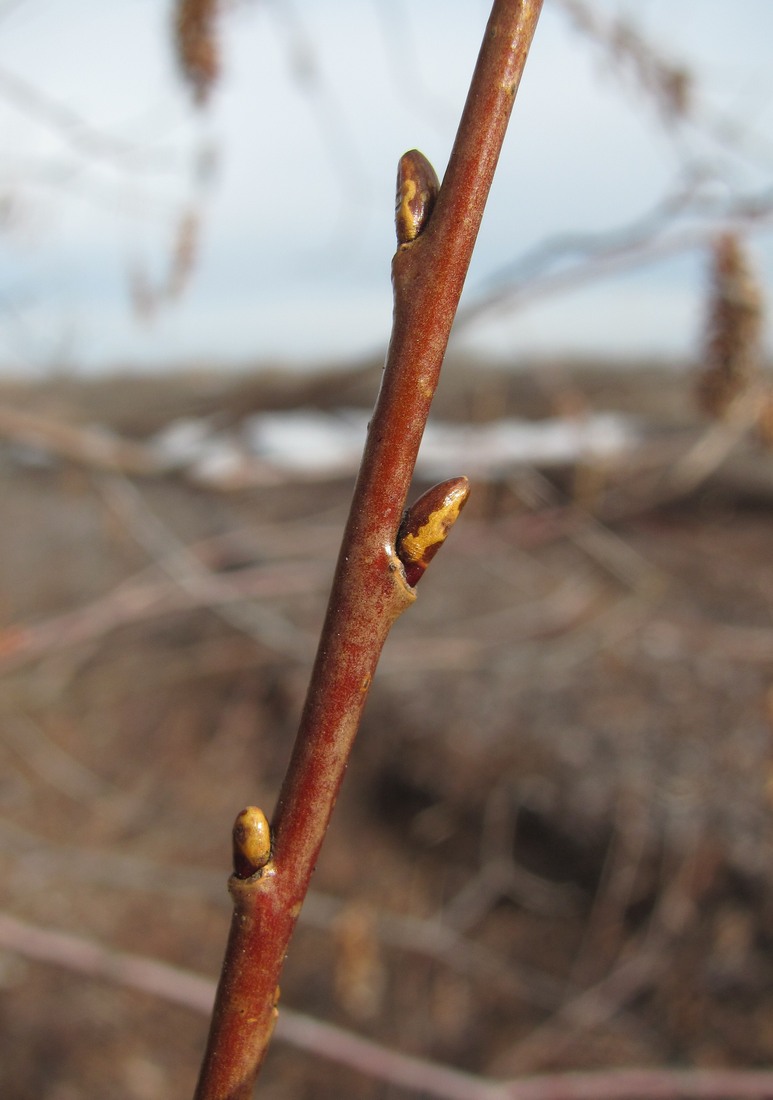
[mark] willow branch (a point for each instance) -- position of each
(371, 587)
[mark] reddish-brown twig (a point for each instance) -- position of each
(370, 588)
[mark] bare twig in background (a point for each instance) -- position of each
(704, 200)
(146, 596)
(408, 78)
(500, 876)
(329, 114)
(632, 838)
(193, 577)
(80, 135)
(49, 761)
(51, 437)
(188, 990)
(600, 256)
(705, 455)
(422, 937)
(90, 446)
(668, 82)
(640, 965)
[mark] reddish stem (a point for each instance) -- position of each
(370, 589)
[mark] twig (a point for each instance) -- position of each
(370, 588)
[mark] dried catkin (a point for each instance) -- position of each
(196, 44)
(732, 357)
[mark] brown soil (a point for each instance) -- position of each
(566, 756)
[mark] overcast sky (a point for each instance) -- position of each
(291, 172)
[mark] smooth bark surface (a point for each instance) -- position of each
(370, 589)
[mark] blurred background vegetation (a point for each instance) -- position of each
(553, 850)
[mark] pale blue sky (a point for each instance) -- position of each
(317, 102)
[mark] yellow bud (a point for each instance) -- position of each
(426, 525)
(251, 842)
